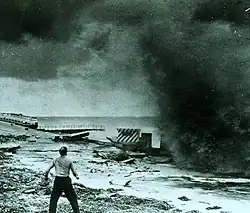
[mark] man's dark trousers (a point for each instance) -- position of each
(63, 184)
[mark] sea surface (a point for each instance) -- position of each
(110, 123)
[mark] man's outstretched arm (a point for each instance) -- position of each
(46, 173)
(73, 170)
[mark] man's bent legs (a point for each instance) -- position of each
(71, 196)
(56, 193)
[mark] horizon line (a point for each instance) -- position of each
(42, 115)
(94, 116)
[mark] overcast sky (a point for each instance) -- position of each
(97, 71)
(53, 98)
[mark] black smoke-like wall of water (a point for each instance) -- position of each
(196, 54)
(200, 67)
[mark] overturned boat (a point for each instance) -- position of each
(72, 137)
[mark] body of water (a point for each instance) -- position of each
(110, 123)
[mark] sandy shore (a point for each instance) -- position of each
(152, 188)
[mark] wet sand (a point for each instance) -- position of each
(162, 182)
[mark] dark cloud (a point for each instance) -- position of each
(234, 11)
(41, 18)
(35, 37)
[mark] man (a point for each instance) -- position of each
(62, 181)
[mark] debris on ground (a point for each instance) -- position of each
(12, 138)
(23, 190)
(127, 183)
(136, 154)
(184, 198)
(129, 161)
(111, 153)
(213, 208)
(99, 162)
(3, 157)
(12, 149)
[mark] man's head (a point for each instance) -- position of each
(63, 151)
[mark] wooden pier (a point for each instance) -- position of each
(70, 128)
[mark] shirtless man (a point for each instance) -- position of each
(62, 182)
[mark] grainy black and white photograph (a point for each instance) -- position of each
(124, 106)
